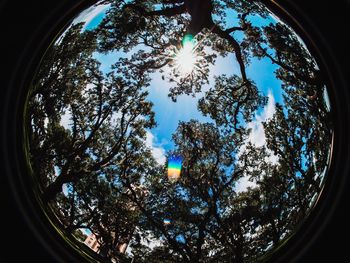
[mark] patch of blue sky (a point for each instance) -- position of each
(228, 66)
(259, 21)
(86, 231)
(91, 16)
(168, 113)
(194, 210)
(232, 19)
(229, 170)
(306, 160)
(67, 189)
(96, 20)
(298, 174)
(261, 71)
(180, 239)
(183, 194)
(256, 19)
(185, 109)
(108, 59)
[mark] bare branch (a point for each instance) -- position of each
(225, 35)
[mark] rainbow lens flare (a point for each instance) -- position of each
(174, 167)
(167, 221)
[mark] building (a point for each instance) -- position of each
(124, 239)
(91, 242)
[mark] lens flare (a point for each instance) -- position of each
(186, 57)
(174, 167)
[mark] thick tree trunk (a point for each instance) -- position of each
(201, 15)
(275, 235)
(54, 188)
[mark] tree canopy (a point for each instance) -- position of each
(89, 131)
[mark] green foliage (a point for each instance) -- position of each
(79, 235)
(88, 129)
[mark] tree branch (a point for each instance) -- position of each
(172, 241)
(307, 79)
(235, 28)
(239, 57)
(168, 12)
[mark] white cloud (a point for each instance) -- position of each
(157, 151)
(86, 91)
(243, 184)
(88, 14)
(147, 239)
(257, 134)
(66, 119)
(116, 117)
(65, 189)
(46, 122)
(257, 138)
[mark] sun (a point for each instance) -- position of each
(186, 58)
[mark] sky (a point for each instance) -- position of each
(168, 113)
(91, 16)
(257, 137)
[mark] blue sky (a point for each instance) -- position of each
(168, 113)
(91, 16)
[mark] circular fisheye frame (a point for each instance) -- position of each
(178, 131)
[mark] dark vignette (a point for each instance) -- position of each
(33, 25)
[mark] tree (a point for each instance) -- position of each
(231, 103)
(104, 115)
(54, 86)
(80, 235)
(88, 128)
(126, 26)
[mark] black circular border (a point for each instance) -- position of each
(31, 231)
